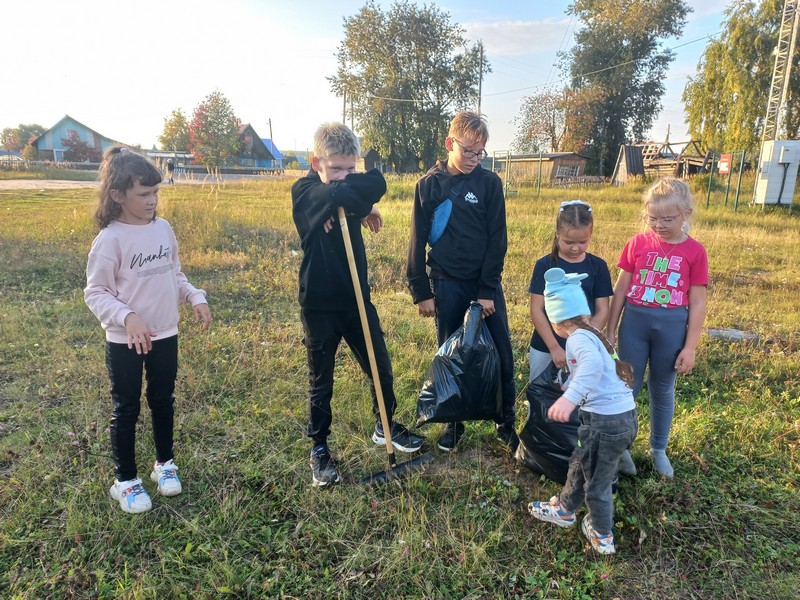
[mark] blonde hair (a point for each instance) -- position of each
(333, 139)
(666, 193)
(624, 370)
(471, 125)
(120, 170)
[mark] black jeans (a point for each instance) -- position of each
(452, 301)
(601, 441)
(323, 332)
(125, 371)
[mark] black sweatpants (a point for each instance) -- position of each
(323, 332)
(125, 369)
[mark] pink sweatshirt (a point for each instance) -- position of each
(135, 268)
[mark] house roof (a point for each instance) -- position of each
(73, 119)
(272, 148)
(259, 148)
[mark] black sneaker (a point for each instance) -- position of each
(451, 435)
(508, 435)
(323, 466)
(402, 438)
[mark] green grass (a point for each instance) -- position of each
(249, 524)
(49, 173)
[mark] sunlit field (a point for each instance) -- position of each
(250, 525)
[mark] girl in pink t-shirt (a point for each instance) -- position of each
(661, 296)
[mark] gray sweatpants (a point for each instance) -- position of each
(654, 336)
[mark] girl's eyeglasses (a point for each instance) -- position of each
(480, 154)
(666, 221)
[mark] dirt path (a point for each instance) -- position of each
(44, 184)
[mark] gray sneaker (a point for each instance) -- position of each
(323, 467)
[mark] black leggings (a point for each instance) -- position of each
(125, 371)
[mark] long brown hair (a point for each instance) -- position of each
(624, 370)
(120, 170)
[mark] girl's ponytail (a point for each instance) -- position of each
(624, 370)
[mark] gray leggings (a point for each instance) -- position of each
(655, 336)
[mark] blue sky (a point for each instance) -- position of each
(121, 68)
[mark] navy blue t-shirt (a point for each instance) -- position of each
(596, 285)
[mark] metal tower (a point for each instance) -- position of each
(779, 89)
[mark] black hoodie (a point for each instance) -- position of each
(325, 281)
(473, 246)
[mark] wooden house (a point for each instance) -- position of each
(369, 160)
(630, 163)
(253, 150)
(551, 167)
(50, 145)
(278, 161)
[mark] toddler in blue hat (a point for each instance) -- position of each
(599, 386)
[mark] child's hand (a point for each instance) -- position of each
(373, 221)
(139, 334)
(427, 308)
(201, 311)
(685, 361)
(488, 307)
(327, 225)
(561, 410)
(559, 357)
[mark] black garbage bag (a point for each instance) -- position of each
(545, 446)
(464, 376)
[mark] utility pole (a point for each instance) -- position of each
(480, 77)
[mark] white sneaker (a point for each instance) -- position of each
(166, 477)
(131, 496)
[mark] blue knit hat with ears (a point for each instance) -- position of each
(563, 295)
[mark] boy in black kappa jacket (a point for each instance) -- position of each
(466, 262)
(329, 311)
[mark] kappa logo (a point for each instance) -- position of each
(471, 198)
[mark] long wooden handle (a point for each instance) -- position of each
(362, 312)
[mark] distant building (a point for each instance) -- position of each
(369, 160)
(254, 152)
(50, 145)
(278, 160)
(551, 167)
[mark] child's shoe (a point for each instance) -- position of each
(131, 496)
(552, 512)
(402, 438)
(626, 464)
(602, 544)
(166, 477)
(450, 436)
(661, 463)
(323, 467)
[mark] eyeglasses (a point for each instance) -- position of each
(480, 154)
(569, 203)
(667, 221)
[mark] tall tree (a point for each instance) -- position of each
(176, 132)
(725, 103)
(214, 132)
(542, 122)
(405, 73)
(619, 61)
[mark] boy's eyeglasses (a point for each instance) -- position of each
(667, 221)
(569, 203)
(480, 154)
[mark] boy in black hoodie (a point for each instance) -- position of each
(329, 311)
(466, 262)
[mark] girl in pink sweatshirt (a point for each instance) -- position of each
(134, 284)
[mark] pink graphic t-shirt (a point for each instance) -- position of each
(663, 272)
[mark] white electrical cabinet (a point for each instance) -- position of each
(777, 173)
